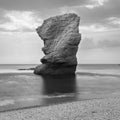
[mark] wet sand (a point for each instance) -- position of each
(97, 109)
(18, 90)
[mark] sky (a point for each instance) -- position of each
(99, 27)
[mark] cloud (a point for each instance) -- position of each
(114, 20)
(100, 2)
(67, 9)
(90, 4)
(96, 3)
(19, 21)
(108, 43)
(39, 4)
(92, 28)
(92, 43)
(95, 14)
(87, 43)
(49, 4)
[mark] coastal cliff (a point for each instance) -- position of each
(61, 39)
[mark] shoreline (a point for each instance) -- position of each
(103, 109)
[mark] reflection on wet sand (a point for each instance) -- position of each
(60, 88)
(32, 90)
(59, 84)
(28, 90)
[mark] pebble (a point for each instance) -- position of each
(97, 109)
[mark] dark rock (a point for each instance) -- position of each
(61, 38)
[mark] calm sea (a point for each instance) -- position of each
(21, 88)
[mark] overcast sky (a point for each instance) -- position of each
(99, 26)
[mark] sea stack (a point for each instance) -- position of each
(61, 39)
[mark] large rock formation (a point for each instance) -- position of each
(61, 38)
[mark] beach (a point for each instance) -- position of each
(21, 88)
(92, 94)
(59, 60)
(97, 109)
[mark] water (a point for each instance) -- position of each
(20, 89)
(13, 68)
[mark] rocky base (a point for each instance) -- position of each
(55, 69)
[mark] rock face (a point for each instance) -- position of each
(61, 38)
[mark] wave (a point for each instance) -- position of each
(85, 73)
(6, 102)
(12, 101)
(5, 71)
(97, 74)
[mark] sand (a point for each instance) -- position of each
(97, 109)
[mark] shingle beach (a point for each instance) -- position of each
(97, 109)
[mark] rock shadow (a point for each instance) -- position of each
(59, 89)
(59, 84)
